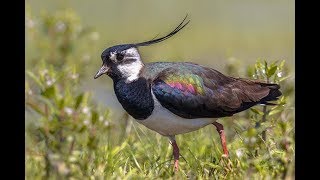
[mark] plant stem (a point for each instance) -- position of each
(46, 158)
(47, 166)
(264, 118)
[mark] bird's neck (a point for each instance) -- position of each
(135, 97)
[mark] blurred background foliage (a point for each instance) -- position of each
(76, 129)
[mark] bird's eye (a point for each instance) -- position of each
(120, 56)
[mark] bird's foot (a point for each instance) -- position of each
(226, 162)
(224, 155)
(224, 158)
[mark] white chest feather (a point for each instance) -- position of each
(166, 123)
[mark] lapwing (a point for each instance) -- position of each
(174, 98)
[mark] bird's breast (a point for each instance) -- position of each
(135, 98)
(166, 123)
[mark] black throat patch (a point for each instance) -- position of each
(135, 97)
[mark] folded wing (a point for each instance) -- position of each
(193, 91)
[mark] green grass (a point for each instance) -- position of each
(145, 154)
(71, 136)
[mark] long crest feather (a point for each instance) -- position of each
(177, 29)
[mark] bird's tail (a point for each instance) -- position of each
(273, 95)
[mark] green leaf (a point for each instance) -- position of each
(258, 65)
(283, 78)
(283, 100)
(79, 99)
(49, 92)
(135, 161)
(276, 111)
(117, 149)
(47, 102)
(94, 117)
(282, 64)
(36, 80)
(274, 63)
(266, 66)
(256, 111)
(35, 107)
(85, 98)
(61, 103)
(82, 129)
(211, 165)
(271, 71)
(92, 142)
(251, 132)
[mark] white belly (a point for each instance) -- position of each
(166, 123)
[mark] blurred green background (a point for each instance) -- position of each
(220, 31)
(64, 41)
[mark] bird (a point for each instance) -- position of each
(173, 98)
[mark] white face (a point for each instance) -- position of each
(131, 64)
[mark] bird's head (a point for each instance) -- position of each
(124, 61)
(121, 61)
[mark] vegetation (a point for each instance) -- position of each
(69, 135)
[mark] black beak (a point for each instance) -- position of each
(103, 70)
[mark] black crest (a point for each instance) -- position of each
(119, 48)
(177, 29)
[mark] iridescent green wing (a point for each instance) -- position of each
(194, 91)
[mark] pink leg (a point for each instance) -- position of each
(175, 153)
(222, 137)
